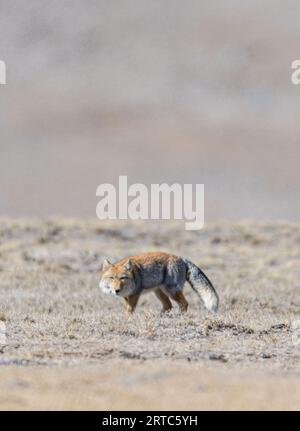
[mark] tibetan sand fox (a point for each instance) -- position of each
(162, 273)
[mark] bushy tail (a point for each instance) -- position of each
(202, 286)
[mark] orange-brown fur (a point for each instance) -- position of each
(163, 273)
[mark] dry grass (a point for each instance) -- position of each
(68, 346)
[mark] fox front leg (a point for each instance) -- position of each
(131, 302)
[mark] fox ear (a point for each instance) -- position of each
(106, 263)
(128, 264)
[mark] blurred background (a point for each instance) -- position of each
(162, 91)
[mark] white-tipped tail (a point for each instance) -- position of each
(209, 297)
(201, 284)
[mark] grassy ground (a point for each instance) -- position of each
(65, 345)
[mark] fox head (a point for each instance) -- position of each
(117, 280)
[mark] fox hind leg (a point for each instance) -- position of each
(166, 303)
(180, 299)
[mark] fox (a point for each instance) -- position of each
(163, 273)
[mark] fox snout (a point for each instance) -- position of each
(117, 288)
(116, 291)
(112, 288)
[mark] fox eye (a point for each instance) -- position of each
(111, 278)
(123, 277)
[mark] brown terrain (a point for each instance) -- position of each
(64, 345)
